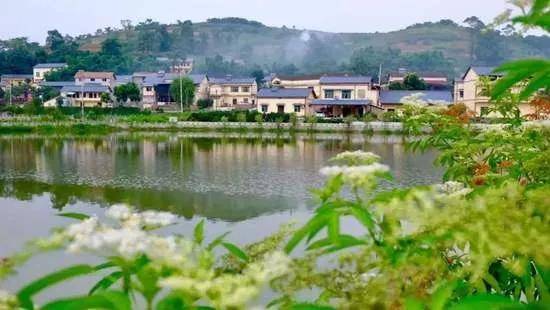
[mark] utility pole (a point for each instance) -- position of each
(380, 76)
(11, 85)
(82, 101)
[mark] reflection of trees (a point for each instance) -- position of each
(212, 205)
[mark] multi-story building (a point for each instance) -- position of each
(13, 80)
(40, 70)
(87, 95)
(340, 96)
(230, 93)
(107, 79)
(285, 100)
(470, 91)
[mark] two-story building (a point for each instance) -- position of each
(13, 80)
(285, 100)
(340, 96)
(228, 93)
(87, 95)
(107, 79)
(40, 70)
(470, 91)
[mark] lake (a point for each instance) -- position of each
(248, 184)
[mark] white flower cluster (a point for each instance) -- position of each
(356, 175)
(356, 158)
(7, 301)
(452, 188)
(231, 290)
(128, 239)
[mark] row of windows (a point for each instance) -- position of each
(87, 95)
(244, 89)
(93, 80)
(281, 108)
(345, 94)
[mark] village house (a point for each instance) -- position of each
(13, 80)
(155, 87)
(87, 95)
(228, 93)
(183, 67)
(434, 80)
(469, 91)
(341, 96)
(107, 79)
(285, 100)
(392, 100)
(40, 70)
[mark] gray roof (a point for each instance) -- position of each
(284, 93)
(89, 88)
(57, 83)
(395, 96)
(350, 102)
(357, 79)
(152, 79)
(123, 79)
(482, 71)
(16, 76)
(229, 80)
(50, 65)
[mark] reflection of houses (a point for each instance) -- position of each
(233, 93)
(434, 80)
(341, 96)
(470, 91)
(285, 100)
(392, 100)
(40, 70)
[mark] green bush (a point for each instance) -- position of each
(391, 116)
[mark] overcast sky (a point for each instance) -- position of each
(33, 18)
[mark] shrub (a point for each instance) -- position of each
(391, 116)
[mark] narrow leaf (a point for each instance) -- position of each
(74, 215)
(199, 232)
(106, 282)
(217, 241)
(236, 251)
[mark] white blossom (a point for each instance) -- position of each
(152, 218)
(7, 301)
(354, 171)
(356, 158)
(119, 212)
(452, 188)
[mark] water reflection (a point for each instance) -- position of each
(226, 177)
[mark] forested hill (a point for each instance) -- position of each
(239, 46)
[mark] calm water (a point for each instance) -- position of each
(245, 184)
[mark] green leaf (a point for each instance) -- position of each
(199, 232)
(26, 293)
(217, 241)
(442, 295)
(106, 282)
(414, 304)
(310, 306)
(74, 215)
(171, 302)
(487, 301)
(112, 300)
(363, 216)
(314, 225)
(236, 251)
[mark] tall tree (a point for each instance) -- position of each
(182, 91)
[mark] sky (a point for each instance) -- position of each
(33, 18)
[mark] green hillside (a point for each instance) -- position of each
(239, 46)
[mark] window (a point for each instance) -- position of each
(245, 100)
(149, 88)
(329, 93)
(234, 101)
(484, 111)
(346, 94)
(104, 80)
(391, 110)
(264, 108)
(280, 108)
(361, 94)
(245, 89)
(461, 93)
(92, 80)
(297, 108)
(38, 74)
(234, 89)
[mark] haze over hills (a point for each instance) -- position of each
(245, 45)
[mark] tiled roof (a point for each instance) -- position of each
(56, 83)
(229, 80)
(89, 88)
(15, 76)
(357, 79)
(284, 93)
(420, 74)
(123, 79)
(94, 75)
(152, 79)
(298, 77)
(395, 96)
(349, 102)
(50, 65)
(482, 71)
